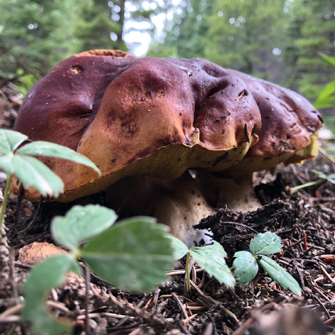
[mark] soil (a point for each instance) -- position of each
(305, 221)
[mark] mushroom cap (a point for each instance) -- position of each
(289, 126)
(133, 116)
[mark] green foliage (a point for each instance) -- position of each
(265, 244)
(29, 170)
(209, 257)
(279, 275)
(134, 254)
(246, 265)
(25, 81)
(326, 98)
(322, 178)
(275, 40)
(310, 32)
(229, 33)
(237, 38)
(46, 275)
(187, 33)
(95, 27)
(35, 35)
(41, 148)
(180, 249)
(76, 227)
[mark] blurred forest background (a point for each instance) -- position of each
(277, 40)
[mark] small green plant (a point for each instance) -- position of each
(322, 179)
(326, 98)
(211, 259)
(25, 81)
(134, 255)
(246, 263)
(29, 170)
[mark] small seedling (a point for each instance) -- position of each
(322, 179)
(134, 255)
(246, 263)
(29, 170)
(210, 258)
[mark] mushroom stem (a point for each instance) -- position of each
(178, 203)
(234, 190)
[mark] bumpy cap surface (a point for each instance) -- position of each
(133, 116)
(289, 125)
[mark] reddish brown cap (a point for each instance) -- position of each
(139, 116)
(289, 125)
(133, 116)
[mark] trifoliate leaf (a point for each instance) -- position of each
(81, 223)
(41, 148)
(133, 254)
(179, 248)
(211, 259)
(10, 140)
(246, 266)
(281, 276)
(33, 172)
(43, 277)
(265, 244)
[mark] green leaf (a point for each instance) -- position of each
(327, 92)
(246, 266)
(6, 163)
(265, 244)
(133, 255)
(42, 278)
(40, 148)
(10, 140)
(281, 276)
(329, 59)
(80, 223)
(325, 103)
(211, 259)
(33, 172)
(179, 248)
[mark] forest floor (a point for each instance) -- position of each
(304, 220)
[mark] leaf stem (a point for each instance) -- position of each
(188, 278)
(5, 199)
(312, 183)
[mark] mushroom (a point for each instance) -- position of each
(288, 134)
(141, 117)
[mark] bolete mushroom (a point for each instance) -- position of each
(288, 134)
(131, 117)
